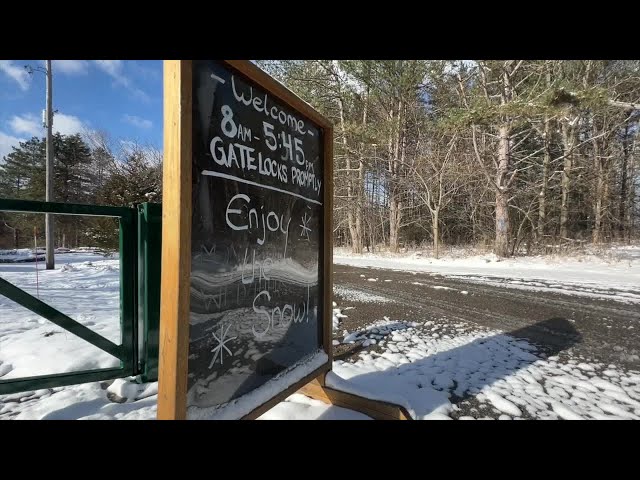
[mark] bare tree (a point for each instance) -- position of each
(437, 178)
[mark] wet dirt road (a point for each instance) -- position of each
(604, 330)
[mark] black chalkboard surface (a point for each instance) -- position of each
(257, 224)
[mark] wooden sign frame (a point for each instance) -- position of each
(176, 233)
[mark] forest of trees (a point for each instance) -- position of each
(88, 169)
(516, 155)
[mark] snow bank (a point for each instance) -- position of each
(615, 277)
(20, 256)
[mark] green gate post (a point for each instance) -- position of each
(149, 261)
(128, 294)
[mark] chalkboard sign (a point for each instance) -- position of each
(258, 309)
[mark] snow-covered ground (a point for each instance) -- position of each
(435, 369)
(86, 287)
(91, 401)
(439, 369)
(301, 407)
(358, 296)
(20, 256)
(615, 275)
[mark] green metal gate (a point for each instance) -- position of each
(139, 247)
(148, 287)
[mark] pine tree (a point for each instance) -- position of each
(22, 175)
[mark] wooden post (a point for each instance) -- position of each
(176, 241)
(327, 252)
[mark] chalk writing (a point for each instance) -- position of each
(305, 230)
(237, 155)
(263, 268)
(256, 220)
(261, 105)
(267, 321)
(222, 341)
(256, 286)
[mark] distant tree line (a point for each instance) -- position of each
(88, 169)
(519, 155)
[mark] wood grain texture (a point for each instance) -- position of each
(176, 241)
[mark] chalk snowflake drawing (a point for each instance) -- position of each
(222, 341)
(305, 230)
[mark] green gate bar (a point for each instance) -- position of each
(30, 302)
(127, 352)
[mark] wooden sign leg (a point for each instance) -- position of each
(318, 390)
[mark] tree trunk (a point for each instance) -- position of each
(356, 239)
(598, 209)
(622, 209)
(606, 205)
(631, 196)
(394, 221)
(546, 158)
(502, 195)
(359, 187)
(597, 227)
(502, 224)
(567, 137)
(395, 205)
(602, 177)
(359, 237)
(16, 238)
(436, 233)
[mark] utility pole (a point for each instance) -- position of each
(48, 124)
(50, 261)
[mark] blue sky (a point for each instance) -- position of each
(120, 97)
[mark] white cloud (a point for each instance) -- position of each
(31, 125)
(27, 124)
(67, 124)
(140, 94)
(137, 121)
(140, 69)
(115, 69)
(6, 142)
(70, 67)
(15, 72)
